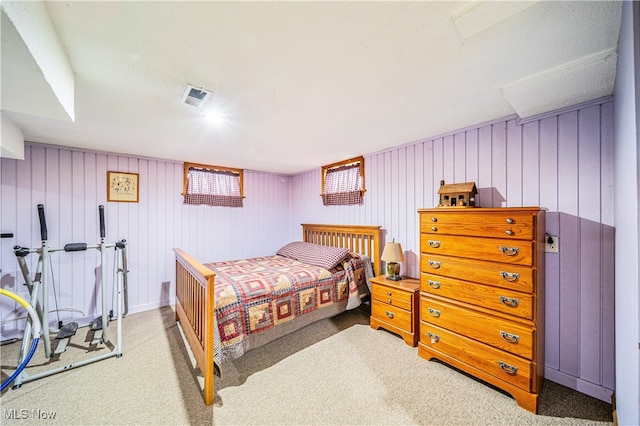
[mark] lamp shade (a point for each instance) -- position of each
(392, 253)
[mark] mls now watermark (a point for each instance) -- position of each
(34, 414)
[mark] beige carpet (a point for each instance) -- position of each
(335, 372)
(152, 383)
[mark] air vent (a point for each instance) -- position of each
(195, 96)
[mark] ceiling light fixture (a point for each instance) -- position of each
(215, 117)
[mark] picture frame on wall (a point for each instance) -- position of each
(123, 187)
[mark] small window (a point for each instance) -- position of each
(343, 182)
(212, 185)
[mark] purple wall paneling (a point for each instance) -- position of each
(568, 242)
(8, 217)
(485, 166)
(589, 234)
(411, 223)
(514, 165)
(530, 192)
(626, 195)
(471, 156)
(562, 163)
(608, 244)
(549, 198)
(499, 164)
(458, 145)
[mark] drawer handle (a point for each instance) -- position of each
(434, 219)
(434, 284)
(509, 220)
(511, 338)
(389, 301)
(509, 276)
(509, 369)
(509, 251)
(434, 337)
(434, 229)
(510, 301)
(434, 264)
(434, 312)
(388, 293)
(508, 232)
(434, 243)
(390, 314)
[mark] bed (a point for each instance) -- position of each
(196, 292)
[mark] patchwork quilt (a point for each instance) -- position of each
(255, 295)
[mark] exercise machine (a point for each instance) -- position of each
(42, 282)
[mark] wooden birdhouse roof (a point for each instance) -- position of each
(458, 188)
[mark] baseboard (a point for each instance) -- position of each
(577, 384)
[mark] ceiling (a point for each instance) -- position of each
(302, 84)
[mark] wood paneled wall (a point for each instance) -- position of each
(72, 183)
(562, 162)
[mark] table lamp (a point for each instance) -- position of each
(392, 254)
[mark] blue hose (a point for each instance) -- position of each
(34, 345)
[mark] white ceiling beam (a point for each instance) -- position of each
(11, 140)
(587, 78)
(32, 22)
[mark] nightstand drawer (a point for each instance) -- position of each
(392, 296)
(391, 315)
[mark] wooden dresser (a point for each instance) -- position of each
(482, 295)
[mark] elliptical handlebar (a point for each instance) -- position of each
(43, 222)
(102, 227)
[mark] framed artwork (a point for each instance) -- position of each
(122, 187)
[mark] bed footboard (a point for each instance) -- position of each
(195, 311)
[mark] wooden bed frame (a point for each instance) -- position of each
(195, 295)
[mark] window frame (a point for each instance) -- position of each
(356, 160)
(187, 166)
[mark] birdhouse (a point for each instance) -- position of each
(457, 194)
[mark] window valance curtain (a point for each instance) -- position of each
(343, 185)
(213, 188)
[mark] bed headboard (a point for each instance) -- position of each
(362, 239)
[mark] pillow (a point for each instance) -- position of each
(314, 254)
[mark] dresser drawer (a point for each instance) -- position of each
(495, 224)
(513, 277)
(392, 296)
(494, 249)
(489, 297)
(497, 332)
(500, 364)
(397, 317)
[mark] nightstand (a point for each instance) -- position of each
(394, 307)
